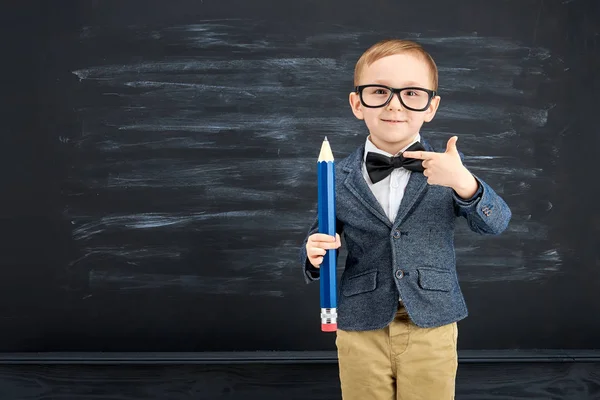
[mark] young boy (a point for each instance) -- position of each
(399, 297)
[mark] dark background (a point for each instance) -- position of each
(159, 166)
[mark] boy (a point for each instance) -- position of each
(399, 297)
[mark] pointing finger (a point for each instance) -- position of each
(419, 155)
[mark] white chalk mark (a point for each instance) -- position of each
(168, 124)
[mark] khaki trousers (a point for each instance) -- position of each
(398, 362)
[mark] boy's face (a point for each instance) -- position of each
(393, 127)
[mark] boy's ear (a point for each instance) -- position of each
(433, 106)
(356, 105)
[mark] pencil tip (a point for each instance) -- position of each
(325, 154)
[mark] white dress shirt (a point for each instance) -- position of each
(390, 190)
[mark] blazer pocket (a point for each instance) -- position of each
(360, 283)
(435, 279)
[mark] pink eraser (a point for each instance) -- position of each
(329, 327)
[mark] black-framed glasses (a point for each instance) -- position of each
(412, 98)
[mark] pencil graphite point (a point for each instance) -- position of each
(325, 154)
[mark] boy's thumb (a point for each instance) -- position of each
(451, 146)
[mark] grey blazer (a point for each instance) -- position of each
(413, 257)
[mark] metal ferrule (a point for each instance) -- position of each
(328, 315)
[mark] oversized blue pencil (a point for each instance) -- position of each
(326, 179)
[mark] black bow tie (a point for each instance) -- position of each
(380, 166)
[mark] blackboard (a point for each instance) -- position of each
(159, 166)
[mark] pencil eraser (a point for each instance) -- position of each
(329, 327)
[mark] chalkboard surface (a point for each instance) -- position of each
(159, 166)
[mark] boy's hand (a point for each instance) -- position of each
(317, 246)
(446, 169)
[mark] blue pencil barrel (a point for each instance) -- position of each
(327, 220)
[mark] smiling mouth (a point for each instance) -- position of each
(393, 121)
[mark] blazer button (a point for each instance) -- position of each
(396, 234)
(399, 274)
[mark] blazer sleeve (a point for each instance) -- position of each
(311, 273)
(486, 212)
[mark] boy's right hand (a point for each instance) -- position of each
(317, 246)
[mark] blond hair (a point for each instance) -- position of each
(390, 47)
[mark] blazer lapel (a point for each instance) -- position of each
(415, 189)
(356, 184)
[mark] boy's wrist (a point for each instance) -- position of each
(466, 186)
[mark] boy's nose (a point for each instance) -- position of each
(395, 103)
